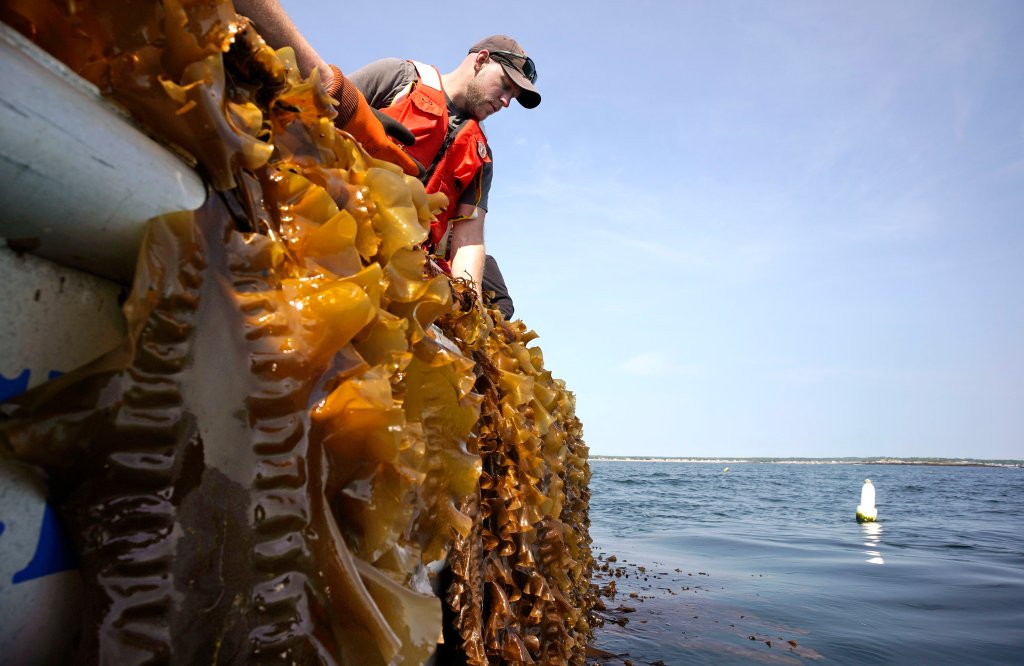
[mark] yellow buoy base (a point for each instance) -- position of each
(866, 515)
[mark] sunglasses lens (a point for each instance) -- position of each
(528, 69)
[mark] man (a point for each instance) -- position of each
(443, 112)
(496, 70)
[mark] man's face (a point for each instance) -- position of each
(490, 91)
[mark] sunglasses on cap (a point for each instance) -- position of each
(528, 69)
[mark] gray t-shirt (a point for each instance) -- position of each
(382, 79)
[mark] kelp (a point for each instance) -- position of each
(305, 420)
(520, 583)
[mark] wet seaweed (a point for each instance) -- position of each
(305, 421)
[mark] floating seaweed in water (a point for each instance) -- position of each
(264, 469)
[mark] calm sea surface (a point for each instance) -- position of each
(766, 563)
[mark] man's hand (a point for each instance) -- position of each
(400, 133)
(394, 129)
(364, 126)
(356, 117)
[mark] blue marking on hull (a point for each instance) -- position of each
(53, 553)
(12, 387)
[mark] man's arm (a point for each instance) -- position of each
(467, 245)
(276, 27)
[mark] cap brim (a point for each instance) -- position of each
(529, 98)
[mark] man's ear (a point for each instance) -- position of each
(480, 60)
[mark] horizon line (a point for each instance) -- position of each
(874, 459)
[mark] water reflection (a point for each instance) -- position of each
(872, 533)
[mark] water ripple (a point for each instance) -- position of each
(937, 580)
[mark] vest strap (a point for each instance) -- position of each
(429, 76)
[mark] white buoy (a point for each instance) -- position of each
(866, 511)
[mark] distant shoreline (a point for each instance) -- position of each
(932, 462)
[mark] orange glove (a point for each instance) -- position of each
(357, 118)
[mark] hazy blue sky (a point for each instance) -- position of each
(755, 228)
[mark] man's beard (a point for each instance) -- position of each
(477, 104)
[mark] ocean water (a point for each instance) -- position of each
(765, 563)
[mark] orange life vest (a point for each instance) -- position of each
(424, 110)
